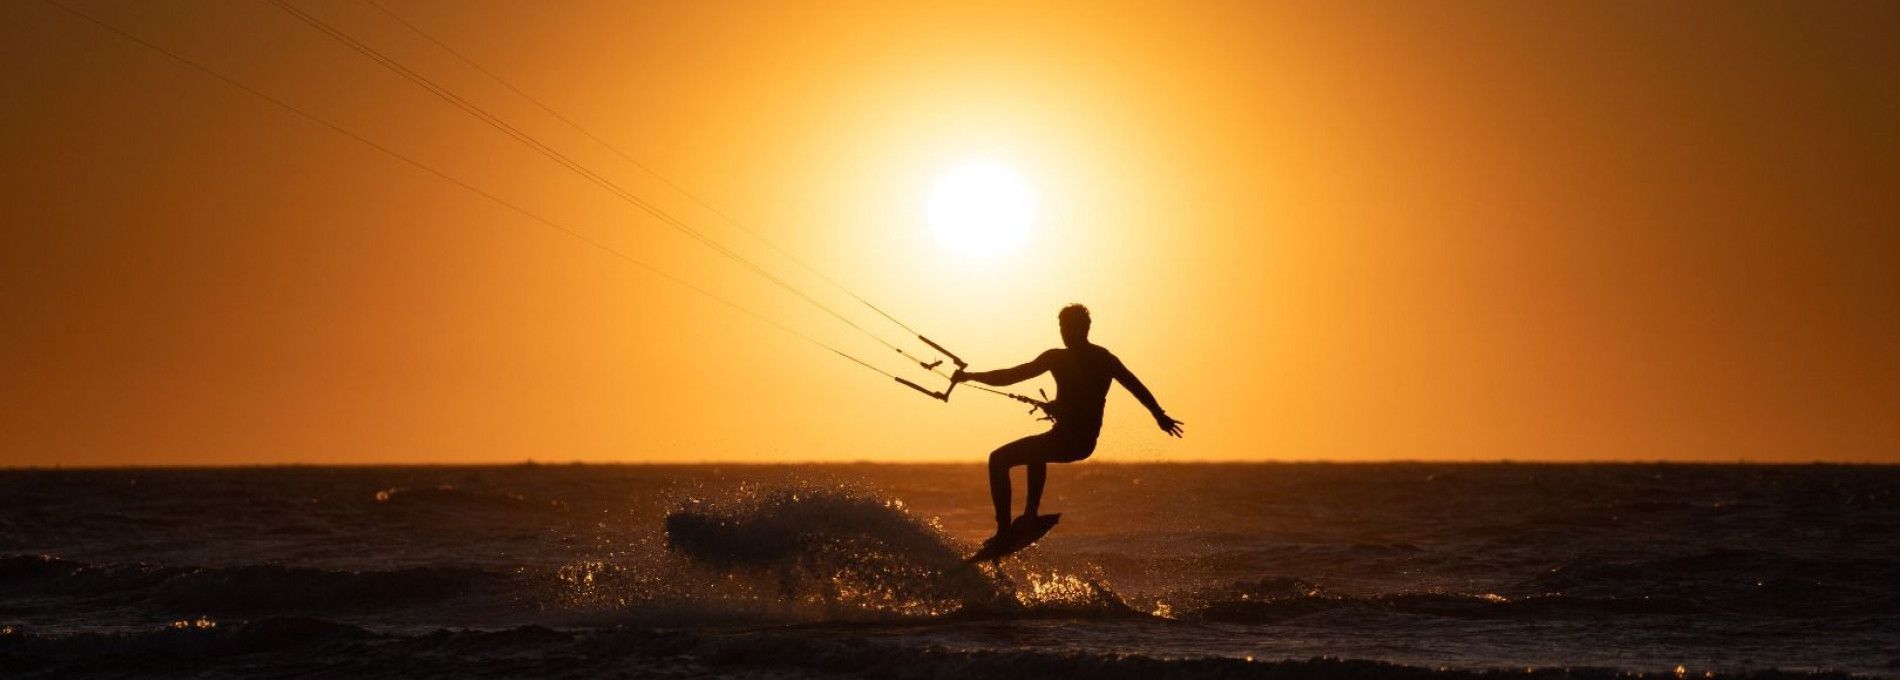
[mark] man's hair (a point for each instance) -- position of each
(1074, 315)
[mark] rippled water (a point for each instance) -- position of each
(1630, 567)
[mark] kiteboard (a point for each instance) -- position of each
(1022, 533)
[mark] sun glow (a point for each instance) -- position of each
(981, 209)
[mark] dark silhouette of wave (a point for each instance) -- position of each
(307, 646)
(241, 589)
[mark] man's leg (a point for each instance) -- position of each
(999, 490)
(1055, 449)
(1030, 451)
(1036, 472)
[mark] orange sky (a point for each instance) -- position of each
(1536, 231)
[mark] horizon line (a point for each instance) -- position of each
(530, 462)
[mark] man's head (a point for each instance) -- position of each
(1074, 320)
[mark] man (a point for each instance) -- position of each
(1082, 371)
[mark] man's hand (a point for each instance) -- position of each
(1168, 425)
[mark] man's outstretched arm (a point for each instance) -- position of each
(1133, 384)
(1007, 376)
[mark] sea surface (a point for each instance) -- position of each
(1156, 570)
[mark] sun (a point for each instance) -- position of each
(982, 209)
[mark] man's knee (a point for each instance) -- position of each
(1019, 452)
(1002, 458)
(1031, 449)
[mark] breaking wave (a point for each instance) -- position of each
(845, 551)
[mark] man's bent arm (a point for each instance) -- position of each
(1010, 376)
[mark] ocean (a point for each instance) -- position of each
(795, 571)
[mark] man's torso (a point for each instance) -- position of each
(1082, 377)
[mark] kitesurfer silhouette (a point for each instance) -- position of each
(1082, 372)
